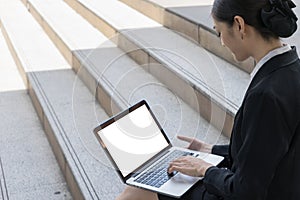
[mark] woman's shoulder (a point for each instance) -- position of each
(282, 87)
(281, 79)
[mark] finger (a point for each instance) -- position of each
(175, 167)
(186, 139)
(184, 169)
(180, 162)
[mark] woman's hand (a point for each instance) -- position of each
(189, 165)
(196, 145)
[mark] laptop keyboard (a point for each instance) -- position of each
(157, 175)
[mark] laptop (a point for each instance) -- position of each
(140, 151)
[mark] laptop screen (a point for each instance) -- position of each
(133, 139)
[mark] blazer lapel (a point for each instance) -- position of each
(275, 63)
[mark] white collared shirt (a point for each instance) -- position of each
(267, 57)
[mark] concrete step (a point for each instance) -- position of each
(10, 78)
(103, 69)
(117, 16)
(58, 19)
(28, 169)
(191, 18)
(66, 108)
(120, 82)
(67, 38)
(206, 82)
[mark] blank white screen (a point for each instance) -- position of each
(133, 139)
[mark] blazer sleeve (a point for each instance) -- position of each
(266, 138)
(221, 150)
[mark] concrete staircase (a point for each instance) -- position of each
(207, 83)
(193, 19)
(84, 60)
(28, 168)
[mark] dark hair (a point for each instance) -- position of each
(271, 18)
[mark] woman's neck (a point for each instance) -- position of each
(264, 47)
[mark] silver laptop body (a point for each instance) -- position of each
(140, 151)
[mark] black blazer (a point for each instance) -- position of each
(264, 152)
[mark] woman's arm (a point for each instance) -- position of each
(221, 150)
(265, 140)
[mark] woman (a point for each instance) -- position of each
(263, 157)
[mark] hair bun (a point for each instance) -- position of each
(279, 17)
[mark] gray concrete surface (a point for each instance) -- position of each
(28, 168)
(192, 65)
(72, 114)
(197, 14)
(51, 86)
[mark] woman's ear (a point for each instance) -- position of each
(240, 25)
